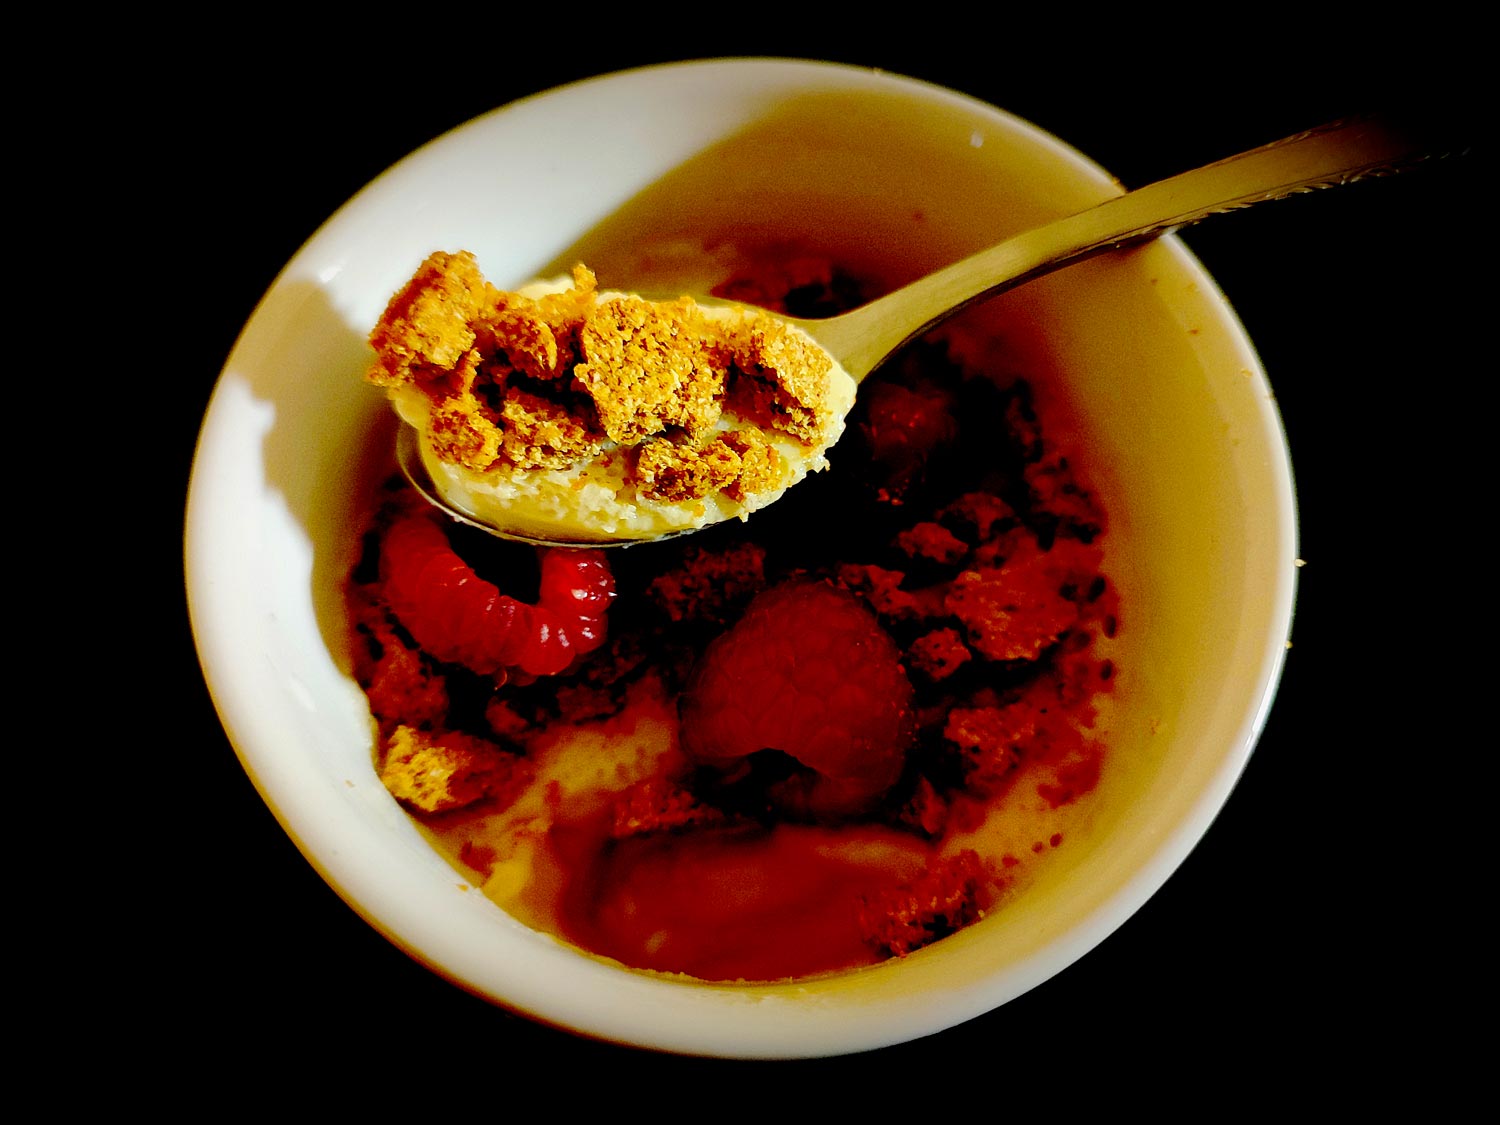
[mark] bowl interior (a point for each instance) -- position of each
(1136, 356)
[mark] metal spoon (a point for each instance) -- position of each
(1336, 153)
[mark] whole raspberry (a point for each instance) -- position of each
(806, 670)
(576, 583)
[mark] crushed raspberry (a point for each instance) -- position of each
(904, 426)
(1056, 491)
(1014, 612)
(992, 741)
(584, 702)
(505, 721)
(930, 540)
(401, 687)
(1024, 428)
(587, 633)
(807, 670)
(926, 811)
(945, 899)
(978, 515)
(479, 858)
(658, 805)
(1075, 777)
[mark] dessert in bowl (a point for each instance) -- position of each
(653, 177)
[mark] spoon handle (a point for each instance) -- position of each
(1335, 153)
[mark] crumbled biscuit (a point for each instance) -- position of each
(566, 310)
(539, 433)
(675, 473)
(527, 341)
(782, 377)
(546, 382)
(710, 585)
(881, 588)
(462, 431)
(539, 337)
(647, 367)
(428, 325)
(760, 464)
(939, 653)
(438, 773)
(739, 463)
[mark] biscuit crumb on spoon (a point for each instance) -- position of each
(560, 412)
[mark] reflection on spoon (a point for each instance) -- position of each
(844, 349)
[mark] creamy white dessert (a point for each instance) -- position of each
(563, 412)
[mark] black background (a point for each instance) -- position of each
(1293, 943)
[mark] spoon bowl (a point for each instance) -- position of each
(861, 340)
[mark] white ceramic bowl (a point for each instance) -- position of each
(1139, 353)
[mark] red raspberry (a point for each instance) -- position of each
(457, 616)
(904, 426)
(549, 647)
(588, 633)
(452, 613)
(576, 583)
(806, 670)
(577, 588)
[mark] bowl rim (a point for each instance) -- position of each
(769, 1021)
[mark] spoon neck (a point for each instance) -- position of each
(1336, 153)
